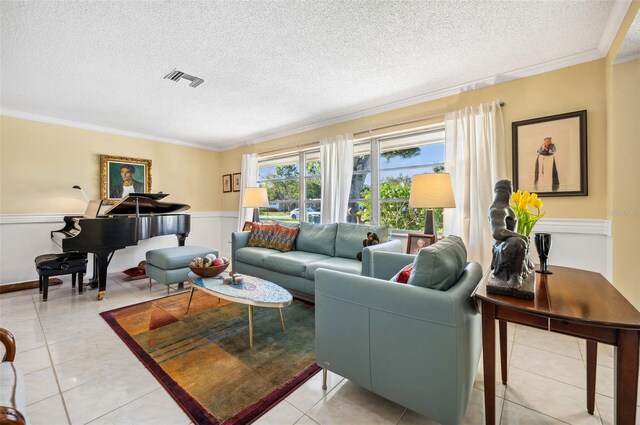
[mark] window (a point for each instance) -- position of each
(380, 186)
(359, 210)
(281, 177)
(293, 196)
(312, 186)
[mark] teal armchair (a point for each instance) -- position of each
(416, 346)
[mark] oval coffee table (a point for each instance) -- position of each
(253, 291)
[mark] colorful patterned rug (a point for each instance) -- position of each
(204, 361)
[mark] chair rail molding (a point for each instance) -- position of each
(25, 236)
(580, 243)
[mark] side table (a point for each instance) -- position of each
(573, 302)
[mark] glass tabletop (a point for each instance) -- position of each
(252, 289)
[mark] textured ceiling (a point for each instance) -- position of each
(630, 47)
(271, 66)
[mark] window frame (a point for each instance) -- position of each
(375, 168)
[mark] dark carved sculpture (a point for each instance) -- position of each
(512, 270)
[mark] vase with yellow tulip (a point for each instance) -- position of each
(521, 201)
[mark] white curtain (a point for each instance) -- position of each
(476, 159)
(248, 178)
(336, 159)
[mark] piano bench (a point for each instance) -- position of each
(171, 265)
(73, 263)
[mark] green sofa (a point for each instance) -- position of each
(331, 246)
(416, 346)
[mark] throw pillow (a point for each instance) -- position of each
(283, 237)
(403, 275)
(260, 235)
(440, 265)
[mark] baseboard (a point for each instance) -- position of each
(20, 286)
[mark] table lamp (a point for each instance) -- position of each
(255, 197)
(84, 195)
(431, 191)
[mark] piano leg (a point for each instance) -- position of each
(93, 282)
(181, 240)
(103, 263)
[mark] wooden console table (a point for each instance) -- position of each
(572, 302)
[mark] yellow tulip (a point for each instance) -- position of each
(515, 196)
(532, 198)
(522, 206)
(525, 197)
(537, 203)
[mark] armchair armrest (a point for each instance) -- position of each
(367, 254)
(9, 342)
(12, 388)
(443, 307)
(238, 240)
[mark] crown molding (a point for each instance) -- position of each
(628, 58)
(611, 28)
(84, 126)
(552, 65)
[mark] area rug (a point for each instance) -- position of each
(204, 361)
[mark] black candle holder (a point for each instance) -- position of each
(543, 246)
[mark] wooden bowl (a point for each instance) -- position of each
(211, 271)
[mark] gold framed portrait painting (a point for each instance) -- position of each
(120, 176)
(550, 155)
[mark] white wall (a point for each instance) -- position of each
(579, 243)
(23, 237)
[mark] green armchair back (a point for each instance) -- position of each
(416, 346)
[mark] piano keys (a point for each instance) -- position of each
(137, 217)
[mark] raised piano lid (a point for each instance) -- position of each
(148, 204)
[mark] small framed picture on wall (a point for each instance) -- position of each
(226, 183)
(236, 182)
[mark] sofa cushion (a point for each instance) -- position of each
(260, 235)
(254, 255)
(283, 237)
(335, 263)
(439, 266)
(318, 238)
(293, 262)
(349, 238)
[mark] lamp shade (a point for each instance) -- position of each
(255, 197)
(431, 191)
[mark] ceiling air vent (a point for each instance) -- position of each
(176, 76)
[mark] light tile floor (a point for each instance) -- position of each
(78, 371)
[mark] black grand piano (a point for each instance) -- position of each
(138, 216)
